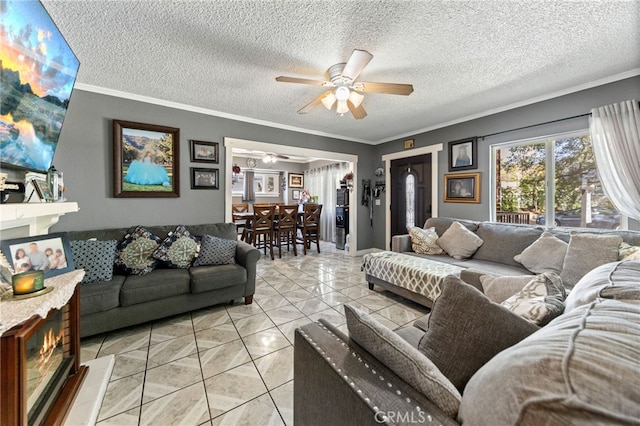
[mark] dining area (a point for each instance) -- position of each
(272, 226)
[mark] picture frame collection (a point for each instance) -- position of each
(462, 187)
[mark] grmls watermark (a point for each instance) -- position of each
(412, 417)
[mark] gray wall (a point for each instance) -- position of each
(566, 106)
(85, 156)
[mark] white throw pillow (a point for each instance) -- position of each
(424, 241)
(459, 242)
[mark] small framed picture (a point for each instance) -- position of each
(463, 154)
(462, 188)
(202, 178)
(408, 144)
(296, 180)
(50, 253)
(204, 152)
(295, 194)
(43, 190)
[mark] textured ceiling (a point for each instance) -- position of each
(464, 58)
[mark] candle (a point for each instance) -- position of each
(28, 282)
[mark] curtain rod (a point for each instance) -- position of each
(536, 125)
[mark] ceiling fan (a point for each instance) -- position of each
(345, 92)
(272, 158)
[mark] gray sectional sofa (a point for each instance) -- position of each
(128, 300)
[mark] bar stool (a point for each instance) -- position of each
(239, 221)
(286, 227)
(261, 228)
(310, 226)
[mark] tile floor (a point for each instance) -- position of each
(233, 365)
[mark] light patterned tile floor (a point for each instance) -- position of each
(233, 364)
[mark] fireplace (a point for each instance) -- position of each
(41, 372)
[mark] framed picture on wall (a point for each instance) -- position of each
(295, 194)
(463, 154)
(203, 178)
(296, 180)
(146, 160)
(203, 152)
(462, 188)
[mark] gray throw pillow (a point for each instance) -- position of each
(499, 289)
(546, 254)
(216, 251)
(423, 241)
(96, 258)
(403, 359)
(586, 252)
(459, 242)
(540, 301)
(466, 330)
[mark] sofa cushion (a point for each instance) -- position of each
(207, 278)
(628, 252)
(459, 242)
(216, 251)
(96, 258)
(540, 300)
(179, 248)
(134, 252)
(403, 359)
(585, 252)
(546, 254)
(423, 241)
(615, 280)
(499, 289)
(466, 330)
(582, 368)
(158, 284)
(502, 241)
(101, 296)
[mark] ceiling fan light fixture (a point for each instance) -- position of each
(270, 159)
(342, 107)
(328, 100)
(356, 98)
(342, 93)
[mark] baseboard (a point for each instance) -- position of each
(367, 251)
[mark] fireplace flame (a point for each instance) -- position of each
(49, 345)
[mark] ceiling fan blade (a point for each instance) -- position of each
(284, 79)
(311, 105)
(284, 157)
(356, 63)
(389, 88)
(358, 113)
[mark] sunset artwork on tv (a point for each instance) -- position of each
(38, 72)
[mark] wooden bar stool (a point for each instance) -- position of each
(260, 231)
(286, 227)
(310, 226)
(239, 221)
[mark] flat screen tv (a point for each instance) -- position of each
(38, 70)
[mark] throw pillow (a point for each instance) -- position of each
(466, 330)
(423, 241)
(585, 252)
(546, 254)
(134, 253)
(216, 251)
(459, 242)
(540, 301)
(96, 258)
(628, 252)
(499, 289)
(403, 359)
(179, 248)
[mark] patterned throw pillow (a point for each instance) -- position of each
(179, 248)
(423, 241)
(216, 251)
(96, 258)
(540, 301)
(134, 253)
(628, 252)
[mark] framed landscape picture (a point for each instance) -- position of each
(296, 180)
(146, 160)
(203, 152)
(50, 253)
(463, 154)
(462, 188)
(203, 178)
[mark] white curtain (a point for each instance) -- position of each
(615, 132)
(323, 182)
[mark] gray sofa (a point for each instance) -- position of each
(128, 300)
(581, 368)
(501, 242)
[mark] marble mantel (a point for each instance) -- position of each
(29, 219)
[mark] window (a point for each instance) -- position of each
(551, 181)
(264, 184)
(410, 197)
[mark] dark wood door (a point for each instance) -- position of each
(410, 192)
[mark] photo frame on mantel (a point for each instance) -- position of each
(146, 160)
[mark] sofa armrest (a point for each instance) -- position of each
(401, 243)
(338, 382)
(248, 256)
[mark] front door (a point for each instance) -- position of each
(410, 192)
